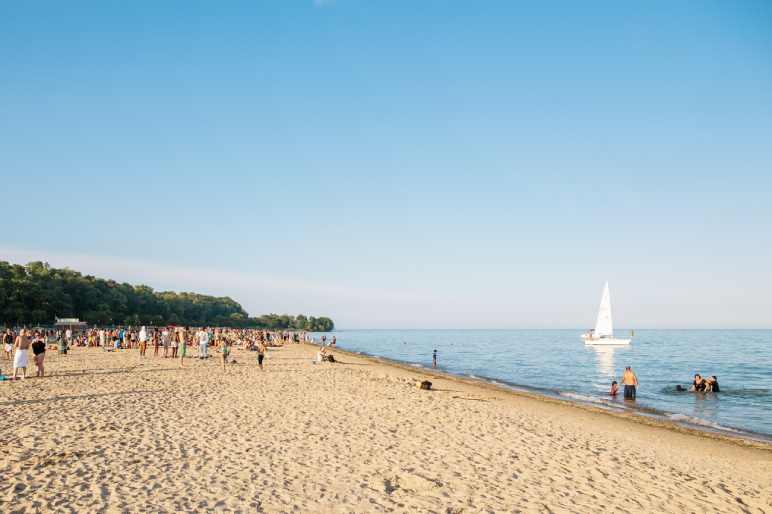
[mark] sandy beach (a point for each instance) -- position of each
(109, 432)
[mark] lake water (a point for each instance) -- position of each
(557, 362)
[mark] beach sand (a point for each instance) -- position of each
(108, 432)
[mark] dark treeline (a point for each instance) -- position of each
(36, 293)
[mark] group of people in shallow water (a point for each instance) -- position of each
(167, 342)
(630, 383)
(702, 385)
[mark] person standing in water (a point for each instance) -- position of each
(630, 381)
(434, 358)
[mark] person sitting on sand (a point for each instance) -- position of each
(698, 385)
(323, 355)
(614, 388)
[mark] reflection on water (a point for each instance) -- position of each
(605, 357)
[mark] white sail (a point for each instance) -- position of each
(604, 327)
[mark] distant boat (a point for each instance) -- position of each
(604, 326)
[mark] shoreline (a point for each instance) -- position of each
(632, 414)
(110, 431)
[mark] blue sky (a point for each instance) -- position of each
(399, 164)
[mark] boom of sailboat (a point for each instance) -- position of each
(603, 334)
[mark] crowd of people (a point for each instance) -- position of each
(172, 342)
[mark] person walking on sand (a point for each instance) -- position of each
(63, 345)
(183, 344)
(142, 341)
(39, 353)
(260, 354)
(165, 341)
(630, 381)
(226, 350)
(21, 355)
(203, 344)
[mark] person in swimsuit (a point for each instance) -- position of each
(698, 385)
(614, 389)
(711, 385)
(20, 356)
(630, 381)
(39, 353)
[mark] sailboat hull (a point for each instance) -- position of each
(605, 341)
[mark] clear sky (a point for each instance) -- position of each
(399, 163)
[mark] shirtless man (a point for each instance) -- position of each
(21, 356)
(630, 381)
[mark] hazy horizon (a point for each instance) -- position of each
(398, 164)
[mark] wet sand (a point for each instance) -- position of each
(109, 432)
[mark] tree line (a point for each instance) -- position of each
(36, 293)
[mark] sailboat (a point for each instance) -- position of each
(604, 326)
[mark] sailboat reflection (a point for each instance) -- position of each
(605, 356)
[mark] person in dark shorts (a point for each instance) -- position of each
(260, 353)
(39, 353)
(630, 383)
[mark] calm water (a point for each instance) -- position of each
(558, 362)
